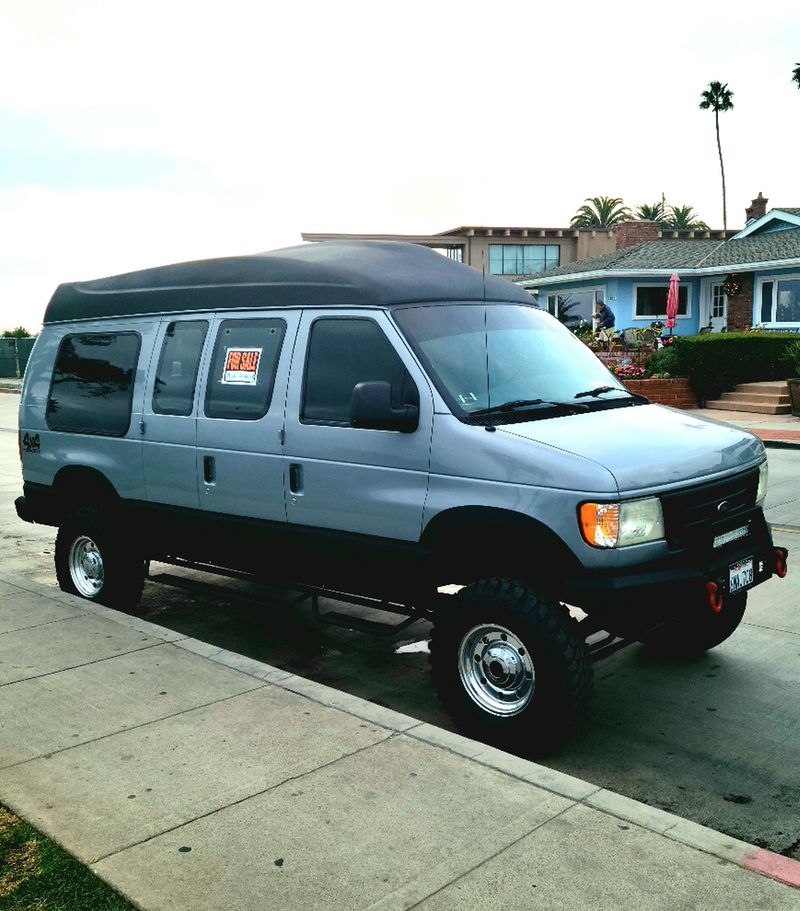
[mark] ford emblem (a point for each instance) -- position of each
(723, 506)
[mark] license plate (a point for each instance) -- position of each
(741, 575)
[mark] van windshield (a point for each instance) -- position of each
(507, 360)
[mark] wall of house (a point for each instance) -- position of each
(619, 296)
(573, 245)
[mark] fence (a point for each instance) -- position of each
(14, 354)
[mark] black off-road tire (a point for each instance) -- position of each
(690, 636)
(123, 565)
(563, 672)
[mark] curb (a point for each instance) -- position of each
(10, 391)
(660, 822)
(780, 444)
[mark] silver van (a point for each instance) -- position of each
(376, 420)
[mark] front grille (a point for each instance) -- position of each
(689, 513)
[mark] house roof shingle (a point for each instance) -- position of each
(690, 254)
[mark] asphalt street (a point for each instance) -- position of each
(715, 740)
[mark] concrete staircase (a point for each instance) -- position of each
(759, 398)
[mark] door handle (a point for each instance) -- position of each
(295, 479)
(209, 469)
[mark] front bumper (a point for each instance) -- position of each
(640, 597)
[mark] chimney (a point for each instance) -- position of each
(630, 233)
(757, 209)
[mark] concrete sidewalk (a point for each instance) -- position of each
(189, 777)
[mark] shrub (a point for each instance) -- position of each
(793, 354)
(716, 363)
(666, 361)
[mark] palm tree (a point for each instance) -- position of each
(656, 212)
(602, 212)
(684, 218)
(718, 97)
(564, 314)
(796, 75)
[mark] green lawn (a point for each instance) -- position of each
(36, 875)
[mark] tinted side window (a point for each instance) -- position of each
(176, 377)
(243, 367)
(92, 386)
(341, 353)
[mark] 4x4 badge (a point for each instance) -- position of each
(30, 442)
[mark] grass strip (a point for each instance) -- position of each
(37, 875)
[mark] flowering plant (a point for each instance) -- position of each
(627, 371)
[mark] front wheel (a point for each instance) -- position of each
(692, 634)
(94, 563)
(510, 665)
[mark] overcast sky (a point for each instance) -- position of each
(134, 134)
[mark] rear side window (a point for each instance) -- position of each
(343, 352)
(243, 367)
(92, 386)
(176, 377)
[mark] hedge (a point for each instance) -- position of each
(717, 362)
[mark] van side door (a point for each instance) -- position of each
(355, 481)
(241, 419)
(170, 412)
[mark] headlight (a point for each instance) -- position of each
(622, 524)
(763, 475)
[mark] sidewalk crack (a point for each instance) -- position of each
(234, 803)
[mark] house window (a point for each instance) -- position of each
(572, 307)
(780, 300)
(717, 302)
(456, 254)
(650, 301)
(523, 259)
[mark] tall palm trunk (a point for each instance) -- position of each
(722, 170)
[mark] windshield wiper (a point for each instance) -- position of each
(599, 390)
(516, 405)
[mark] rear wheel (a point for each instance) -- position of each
(510, 665)
(691, 635)
(93, 562)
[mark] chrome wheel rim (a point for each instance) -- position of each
(496, 670)
(86, 566)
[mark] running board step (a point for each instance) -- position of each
(220, 591)
(361, 624)
(603, 644)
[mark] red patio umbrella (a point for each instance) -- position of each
(672, 301)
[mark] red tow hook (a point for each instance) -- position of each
(781, 556)
(714, 597)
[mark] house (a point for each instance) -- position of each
(518, 252)
(751, 278)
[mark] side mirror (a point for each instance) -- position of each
(371, 409)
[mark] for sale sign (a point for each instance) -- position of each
(241, 366)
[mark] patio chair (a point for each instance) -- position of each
(630, 339)
(648, 337)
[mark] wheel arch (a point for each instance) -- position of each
(77, 485)
(470, 542)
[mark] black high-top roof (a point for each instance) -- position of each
(334, 273)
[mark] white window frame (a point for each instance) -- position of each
(567, 291)
(773, 323)
(654, 316)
